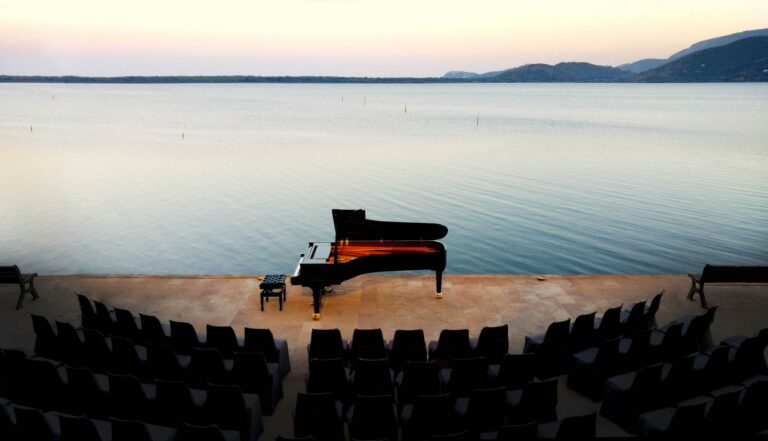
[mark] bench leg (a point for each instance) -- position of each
(702, 298)
(692, 291)
(33, 290)
(262, 300)
(20, 303)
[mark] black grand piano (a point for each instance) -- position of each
(367, 246)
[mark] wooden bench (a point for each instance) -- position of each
(723, 275)
(11, 275)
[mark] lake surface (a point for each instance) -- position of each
(529, 178)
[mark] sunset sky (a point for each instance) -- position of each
(350, 37)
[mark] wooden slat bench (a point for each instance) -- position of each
(723, 275)
(11, 275)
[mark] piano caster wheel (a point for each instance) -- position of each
(315, 316)
(439, 296)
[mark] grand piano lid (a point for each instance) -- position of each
(352, 225)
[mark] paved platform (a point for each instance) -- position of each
(389, 302)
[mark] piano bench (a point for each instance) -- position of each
(273, 285)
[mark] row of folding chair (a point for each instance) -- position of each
(661, 385)
(484, 411)
(181, 335)
(41, 384)
(564, 338)
(21, 423)
(424, 377)
(249, 370)
(734, 412)
(409, 345)
(591, 367)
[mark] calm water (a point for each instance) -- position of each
(529, 178)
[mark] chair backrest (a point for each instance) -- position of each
(316, 414)
(97, 351)
(431, 415)
(250, 371)
(77, 428)
(521, 432)
(125, 326)
(174, 403)
(517, 369)
(557, 335)
(206, 365)
(640, 351)
(462, 435)
(539, 400)
(104, 318)
(125, 359)
(723, 412)
(163, 362)
(43, 385)
(493, 342)
(418, 378)
(127, 399)
(646, 387)
(372, 377)
(486, 409)
(407, 345)
(687, 419)
(608, 354)
(85, 394)
(635, 321)
(672, 344)
(152, 330)
(261, 340)
(225, 404)
(453, 344)
(367, 343)
(749, 358)
(32, 425)
(189, 432)
(129, 430)
(650, 313)
(328, 375)
(7, 426)
(184, 337)
(46, 344)
(222, 338)
(582, 334)
(468, 374)
(87, 313)
(326, 343)
(716, 371)
(71, 347)
(373, 417)
(610, 323)
(580, 427)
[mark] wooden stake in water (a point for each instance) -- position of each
(182, 135)
(30, 129)
(405, 109)
(477, 120)
(364, 101)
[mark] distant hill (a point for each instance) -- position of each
(643, 65)
(561, 72)
(459, 74)
(718, 41)
(743, 60)
(653, 63)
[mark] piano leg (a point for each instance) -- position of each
(317, 292)
(439, 283)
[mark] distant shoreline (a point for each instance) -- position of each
(249, 79)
